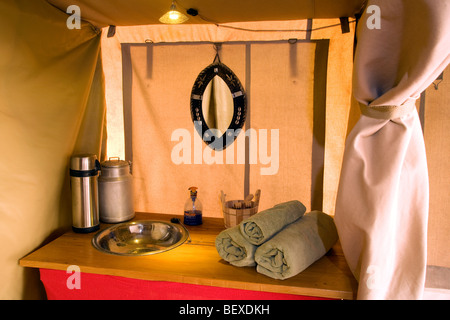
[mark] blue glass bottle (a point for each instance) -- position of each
(193, 209)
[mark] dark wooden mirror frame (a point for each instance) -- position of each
(239, 102)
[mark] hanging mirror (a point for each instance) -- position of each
(218, 105)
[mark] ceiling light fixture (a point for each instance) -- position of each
(173, 16)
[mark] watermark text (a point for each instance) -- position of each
(74, 20)
(74, 280)
(374, 20)
(186, 152)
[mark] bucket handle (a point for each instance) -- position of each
(257, 196)
(222, 198)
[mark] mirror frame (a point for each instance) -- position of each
(239, 103)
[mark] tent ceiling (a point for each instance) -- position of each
(144, 12)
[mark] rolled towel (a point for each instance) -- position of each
(232, 247)
(297, 246)
(262, 226)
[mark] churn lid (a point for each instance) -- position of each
(114, 162)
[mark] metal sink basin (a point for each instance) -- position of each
(138, 238)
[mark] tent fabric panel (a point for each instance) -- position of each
(282, 102)
(437, 142)
(280, 84)
(46, 85)
(102, 13)
(168, 155)
(338, 80)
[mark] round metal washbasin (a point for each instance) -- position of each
(138, 238)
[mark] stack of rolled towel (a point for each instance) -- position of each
(281, 241)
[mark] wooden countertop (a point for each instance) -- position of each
(195, 263)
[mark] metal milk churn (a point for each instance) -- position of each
(83, 183)
(115, 189)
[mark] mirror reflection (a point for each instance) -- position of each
(217, 105)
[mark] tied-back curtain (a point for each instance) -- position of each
(382, 201)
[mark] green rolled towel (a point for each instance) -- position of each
(232, 247)
(262, 226)
(297, 246)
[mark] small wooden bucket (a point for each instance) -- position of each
(235, 211)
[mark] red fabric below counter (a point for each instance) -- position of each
(104, 287)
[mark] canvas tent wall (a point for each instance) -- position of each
(53, 95)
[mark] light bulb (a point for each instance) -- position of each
(173, 16)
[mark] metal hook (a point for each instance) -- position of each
(439, 80)
(217, 47)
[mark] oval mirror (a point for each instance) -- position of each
(218, 106)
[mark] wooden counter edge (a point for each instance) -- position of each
(30, 261)
(303, 291)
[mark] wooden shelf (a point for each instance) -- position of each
(195, 263)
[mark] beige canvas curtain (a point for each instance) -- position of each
(337, 84)
(168, 155)
(382, 202)
(51, 105)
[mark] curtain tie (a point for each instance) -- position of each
(388, 112)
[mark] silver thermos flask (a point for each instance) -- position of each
(83, 182)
